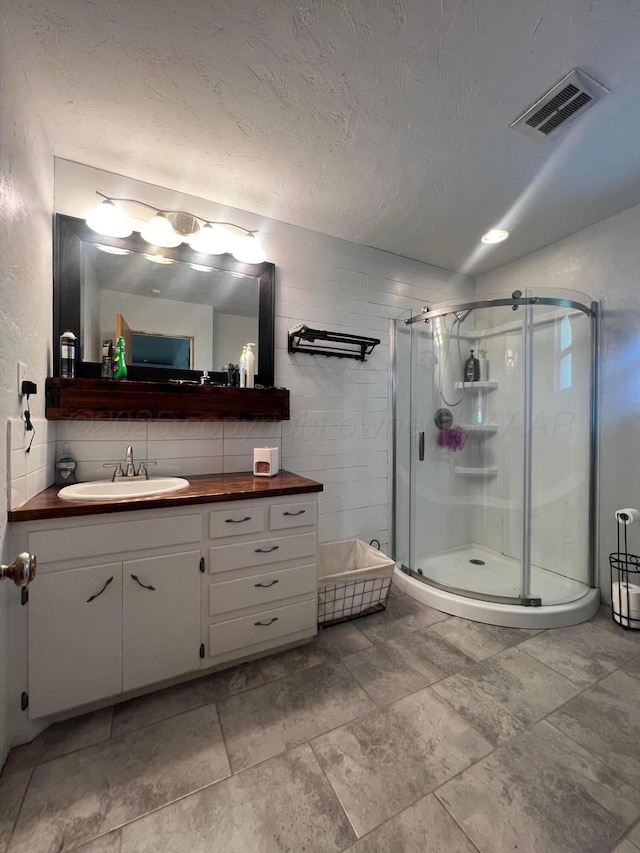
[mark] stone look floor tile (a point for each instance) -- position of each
(284, 713)
(478, 640)
(504, 695)
(284, 804)
(61, 738)
(634, 835)
(404, 664)
(12, 790)
(603, 619)
(584, 653)
(105, 844)
(633, 666)
(81, 796)
(383, 762)
(541, 793)
(403, 614)
(425, 826)
(331, 643)
(605, 719)
(625, 846)
(166, 703)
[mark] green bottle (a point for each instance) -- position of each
(119, 363)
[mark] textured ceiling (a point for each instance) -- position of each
(386, 123)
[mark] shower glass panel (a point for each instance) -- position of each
(467, 507)
(493, 477)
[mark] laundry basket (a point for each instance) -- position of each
(354, 579)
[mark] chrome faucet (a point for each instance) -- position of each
(129, 469)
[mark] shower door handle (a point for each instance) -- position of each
(421, 446)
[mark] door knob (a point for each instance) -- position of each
(22, 571)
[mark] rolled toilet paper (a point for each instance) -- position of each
(630, 514)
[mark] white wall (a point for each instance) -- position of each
(228, 330)
(26, 202)
(602, 261)
(340, 411)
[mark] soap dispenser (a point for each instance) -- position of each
(250, 365)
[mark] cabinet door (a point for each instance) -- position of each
(161, 618)
(75, 638)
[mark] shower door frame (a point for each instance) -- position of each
(593, 312)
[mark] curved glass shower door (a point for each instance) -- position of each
(493, 475)
(468, 469)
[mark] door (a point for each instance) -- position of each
(75, 638)
(161, 618)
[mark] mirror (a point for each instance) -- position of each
(180, 312)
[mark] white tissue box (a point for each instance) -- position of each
(265, 461)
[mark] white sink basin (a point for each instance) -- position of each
(117, 490)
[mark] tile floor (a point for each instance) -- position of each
(404, 731)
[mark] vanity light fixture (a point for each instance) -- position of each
(169, 228)
(494, 235)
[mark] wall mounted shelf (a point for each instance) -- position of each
(486, 385)
(104, 399)
(323, 342)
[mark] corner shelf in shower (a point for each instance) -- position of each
(486, 429)
(491, 471)
(486, 385)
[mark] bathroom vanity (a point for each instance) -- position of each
(132, 594)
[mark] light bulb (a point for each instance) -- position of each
(108, 220)
(212, 239)
(248, 250)
(495, 235)
(159, 232)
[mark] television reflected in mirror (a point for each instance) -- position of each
(181, 313)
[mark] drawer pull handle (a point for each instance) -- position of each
(106, 584)
(300, 512)
(143, 585)
(237, 520)
(266, 550)
(266, 585)
(270, 622)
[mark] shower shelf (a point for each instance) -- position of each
(476, 472)
(487, 385)
(480, 428)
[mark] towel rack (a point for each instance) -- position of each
(323, 342)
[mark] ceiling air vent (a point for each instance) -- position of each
(572, 96)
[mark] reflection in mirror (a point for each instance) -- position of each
(181, 312)
(175, 315)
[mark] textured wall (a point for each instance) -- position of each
(603, 261)
(340, 412)
(26, 202)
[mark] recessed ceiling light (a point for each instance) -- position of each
(495, 235)
(112, 250)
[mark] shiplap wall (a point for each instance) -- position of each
(340, 409)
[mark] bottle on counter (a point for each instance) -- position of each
(483, 366)
(119, 362)
(107, 360)
(242, 368)
(68, 355)
(250, 365)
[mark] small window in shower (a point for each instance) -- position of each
(566, 344)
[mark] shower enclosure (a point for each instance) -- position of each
(495, 478)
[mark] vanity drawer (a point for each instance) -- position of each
(261, 552)
(282, 516)
(235, 522)
(261, 589)
(262, 627)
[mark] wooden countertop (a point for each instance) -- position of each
(204, 488)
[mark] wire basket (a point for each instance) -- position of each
(354, 580)
(625, 589)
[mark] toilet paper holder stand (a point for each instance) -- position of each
(625, 575)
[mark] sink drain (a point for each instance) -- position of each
(477, 562)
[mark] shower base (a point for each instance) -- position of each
(564, 601)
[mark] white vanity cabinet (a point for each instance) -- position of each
(123, 601)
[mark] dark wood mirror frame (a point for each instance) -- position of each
(69, 235)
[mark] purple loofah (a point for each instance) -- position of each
(452, 438)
